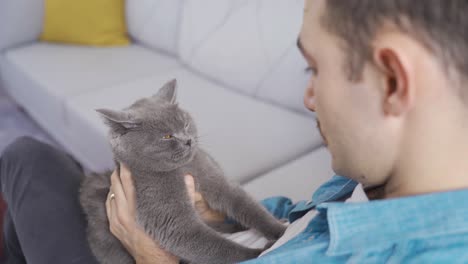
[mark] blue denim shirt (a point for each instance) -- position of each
(429, 228)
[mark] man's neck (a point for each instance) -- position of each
(433, 157)
(375, 192)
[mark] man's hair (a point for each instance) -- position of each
(440, 25)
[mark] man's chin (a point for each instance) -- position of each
(324, 138)
(337, 169)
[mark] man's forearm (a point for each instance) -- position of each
(146, 251)
(151, 255)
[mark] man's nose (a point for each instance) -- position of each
(309, 98)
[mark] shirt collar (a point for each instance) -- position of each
(355, 226)
(336, 188)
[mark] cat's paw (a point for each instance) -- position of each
(255, 252)
(277, 232)
(269, 244)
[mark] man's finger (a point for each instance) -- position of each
(114, 221)
(117, 190)
(128, 187)
(190, 185)
(108, 205)
(120, 205)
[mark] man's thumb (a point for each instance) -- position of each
(190, 185)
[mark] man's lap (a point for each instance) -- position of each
(40, 184)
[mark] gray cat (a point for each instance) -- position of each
(158, 142)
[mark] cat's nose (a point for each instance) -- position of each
(189, 142)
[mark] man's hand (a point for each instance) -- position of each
(121, 212)
(201, 206)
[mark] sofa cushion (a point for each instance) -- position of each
(155, 23)
(286, 82)
(85, 22)
(247, 137)
(20, 22)
(41, 76)
(247, 45)
(70, 70)
(296, 180)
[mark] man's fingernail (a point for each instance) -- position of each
(187, 179)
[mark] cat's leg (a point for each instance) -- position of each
(226, 228)
(177, 227)
(191, 239)
(106, 247)
(237, 204)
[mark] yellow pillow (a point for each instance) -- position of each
(85, 22)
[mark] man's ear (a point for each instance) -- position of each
(397, 91)
(118, 120)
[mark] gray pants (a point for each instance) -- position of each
(44, 223)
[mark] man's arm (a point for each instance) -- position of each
(150, 253)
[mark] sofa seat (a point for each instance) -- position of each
(41, 77)
(246, 136)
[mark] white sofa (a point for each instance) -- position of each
(239, 73)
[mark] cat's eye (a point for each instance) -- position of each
(167, 137)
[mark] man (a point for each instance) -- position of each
(387, 85)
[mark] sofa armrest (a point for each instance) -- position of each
(20, 22)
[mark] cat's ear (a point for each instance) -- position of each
(118, 119)
(168, 92)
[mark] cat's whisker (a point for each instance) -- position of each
(201, 143)
(200, 136)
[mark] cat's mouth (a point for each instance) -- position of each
(180, 154)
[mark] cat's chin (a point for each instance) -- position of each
(180, 155)
(182, 158)
(187, 157)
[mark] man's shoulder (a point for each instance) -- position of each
(438, 248)
(446, 248)
(434, 224)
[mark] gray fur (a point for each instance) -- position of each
(158, 167)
